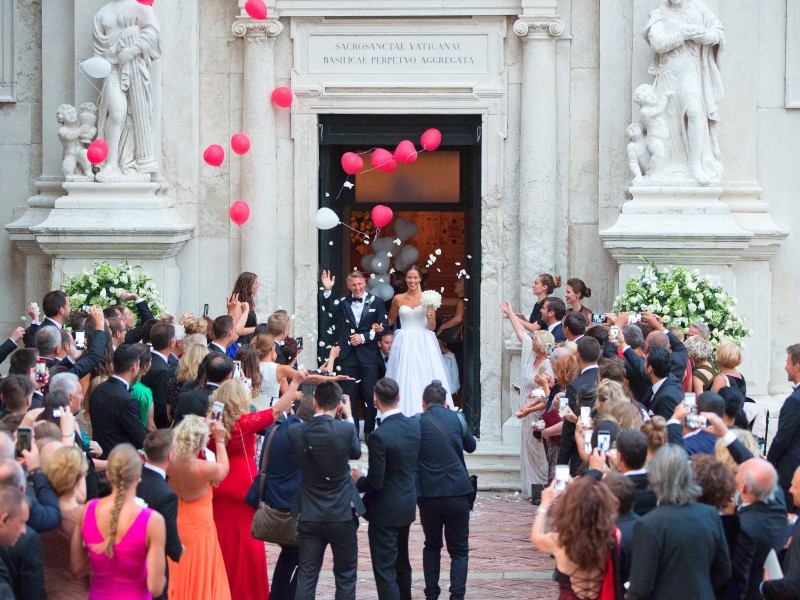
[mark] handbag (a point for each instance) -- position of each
(473, 479)
(272, 525)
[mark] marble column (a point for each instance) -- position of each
(538, 180)
(259, 165)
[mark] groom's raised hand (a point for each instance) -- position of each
(327, 280)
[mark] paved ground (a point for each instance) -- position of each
(502, 562)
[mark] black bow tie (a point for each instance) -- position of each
(354, 300)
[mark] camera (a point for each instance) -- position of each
(634, 318)
(587, 441)
(299, 343)
(548, 348)
(614, 331)
(205, 310)
(586, 416)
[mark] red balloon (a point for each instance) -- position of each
(282, 96)
(256, 9)
(406, 152)
(97, 151)
(214, 155)
(381, 215)
(382, 160)
(239, 212)
(431, 139)
(352, 163)
(240, 143)
(145, 2)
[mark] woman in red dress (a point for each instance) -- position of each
(245, 558)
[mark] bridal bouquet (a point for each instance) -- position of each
(431, 299)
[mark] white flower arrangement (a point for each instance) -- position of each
(681, 297)
(540, 425)
(431, 299)
(102, 285)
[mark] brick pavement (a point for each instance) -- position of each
(502, 562)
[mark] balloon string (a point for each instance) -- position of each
(85, 76)
(356, 230)
(367, 151)
(341, 189)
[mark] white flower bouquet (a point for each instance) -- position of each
(102, 285)
(431, 299)
(680, 297)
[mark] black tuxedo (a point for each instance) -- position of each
(567, 450)
(327, 505)
(679, 355)
(645, 499)
(24, 564)
(558, 333)
(666, 399)
(679, 552)
(136, 334)
(29, 337)
(784, 452)
(390, 499)
(157, 379)
(362, 362)
(91, 358)
(154, 490)
(7, 348)
(115, 417)
(194, 402)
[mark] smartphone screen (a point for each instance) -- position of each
(205, 310)
(80, 340)
(299, 343)
(562, 477)
(586, 416)
(24, 440)
(41, 370)
(216, 410)
(587, 441)
(248, 383)
(237, 369)
(548, 348)
(690, 401)
(603, 441)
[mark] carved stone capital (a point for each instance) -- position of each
(244, 26)
(539, 27)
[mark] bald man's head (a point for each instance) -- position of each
(657, 339)
(756, 480)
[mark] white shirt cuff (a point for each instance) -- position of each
(139, 300)
(326, 294)
(673, 422)
(35, 323)
(728, 438)
(350, 420)
(625, 348)
(363, 339)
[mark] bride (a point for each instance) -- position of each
(415, 359)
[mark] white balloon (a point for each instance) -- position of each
(326, 218)
(409, 254)
(384, 291)
(405, 229)
(382, 244)
(97, 67)
(380, 263)
(399, 264)
(374, 282)
(366, 261)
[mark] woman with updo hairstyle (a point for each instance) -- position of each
(120, 541)
(704, 372)
(656, 431)
(609, 393)
(576, 291)
(543, 287)
(66, 471)
(728, 357)
(584, 538)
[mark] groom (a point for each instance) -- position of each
(360, 357)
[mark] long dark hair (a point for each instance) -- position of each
(244, 287)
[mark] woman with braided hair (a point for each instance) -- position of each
(121, 543)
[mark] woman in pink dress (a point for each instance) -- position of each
(118, 541)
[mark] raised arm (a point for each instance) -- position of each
(515, 321)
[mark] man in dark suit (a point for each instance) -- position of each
(660, 337)
(553, 312)
(114, 412)
(762, 527)
(787, 588)
(385, 346)
(390, 494)
(359, 357)
(327, 505)
(624, 490)
(162, 338)
(589, 352)
(56, 310)
(223, 334)
(23, 362)
(665, 392)
(631, 458)
(444, 490)
(153, 489)
(135, 332)
(13, 515)
(11, 343)
(784, 452)
(48, 342)
(219, 367)
(699, 441)
(679, 548)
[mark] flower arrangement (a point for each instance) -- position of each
(680, 297)
(431, 299)
(102, 285)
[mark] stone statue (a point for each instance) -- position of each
(650, 136)
(638, 155)
(126, 34)
(75, 165)
(88, 117)
(687, 39)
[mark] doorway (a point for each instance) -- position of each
(438, 195)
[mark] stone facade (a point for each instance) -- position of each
(555, 99)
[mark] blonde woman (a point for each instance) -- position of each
(729, 357)
(723, 454)
(188, 368)
(200, 574)
(66, 470)
(121, 542)
(609, 394)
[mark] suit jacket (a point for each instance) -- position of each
(645, 499)
(373, 312)
(283, 470)
(92, 357)
(634, 372)
(115, 417)
(625, 524)
(157, 379)
(440, 472)
(29, 337)
(679, 552)
(701, 442)
(193, 402)
(787, 588)
(323, 446)
(44, 512)
(390, 493)
(762, 527)
(24, 564)
(136, 334)
(738, 450)
(154, 490)
(679, 356)
(784, 452)
(7, 348)
(568, 451)
(666, 399)
(558, 333)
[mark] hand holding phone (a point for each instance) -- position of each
(205, 310)
(41, 370)
(80, 340)
(562, 477)
(24, 440)
(216, 410)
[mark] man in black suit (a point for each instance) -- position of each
(553, 312)
(631, 458)
(624, 490)
(11, 343)
(219, 367)
(385, 346)
(56, 310)
(589, 352)
(660, 337)
(223, 334)
(679, 548)
(15, 395)
(13, 515)
(762, 527)
(787, 588)
(359, 356)
(784, 452)
(390, 494)
(327, 505)
(162, 338)
(114, 412)
(23, 362)
(153, 489)
(444, 490)
(134, 332)
(48, 342)
(665, 392)
(574, 326)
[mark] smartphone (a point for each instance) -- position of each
(216, 410)
(614, 331)
(599, 319)
(295, 406)
(56, 413)
(690, 402)
(548, 348)
(205, 310)
(24, 440)
(563, 406)
(80, 340)
(603, 441)
(586, 416)
(299, 343)
(41, 370)
(248, 383)
(634, 318)
(85, 308)
(237, 369)
(587, 441)
(562, 477)
(696, 421)
(515, 387)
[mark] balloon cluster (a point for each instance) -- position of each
(385, 161)
(389, 256)
(214, 155)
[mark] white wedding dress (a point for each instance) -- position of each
(415, 360)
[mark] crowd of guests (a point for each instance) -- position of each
(636, 441)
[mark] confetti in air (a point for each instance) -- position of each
(438, 252)
(398, 241)
(348, 185)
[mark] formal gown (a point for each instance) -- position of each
(59, 582)
(415, 360)
(533, 459)
(245, 557)
(123, 576)
(200, 573)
